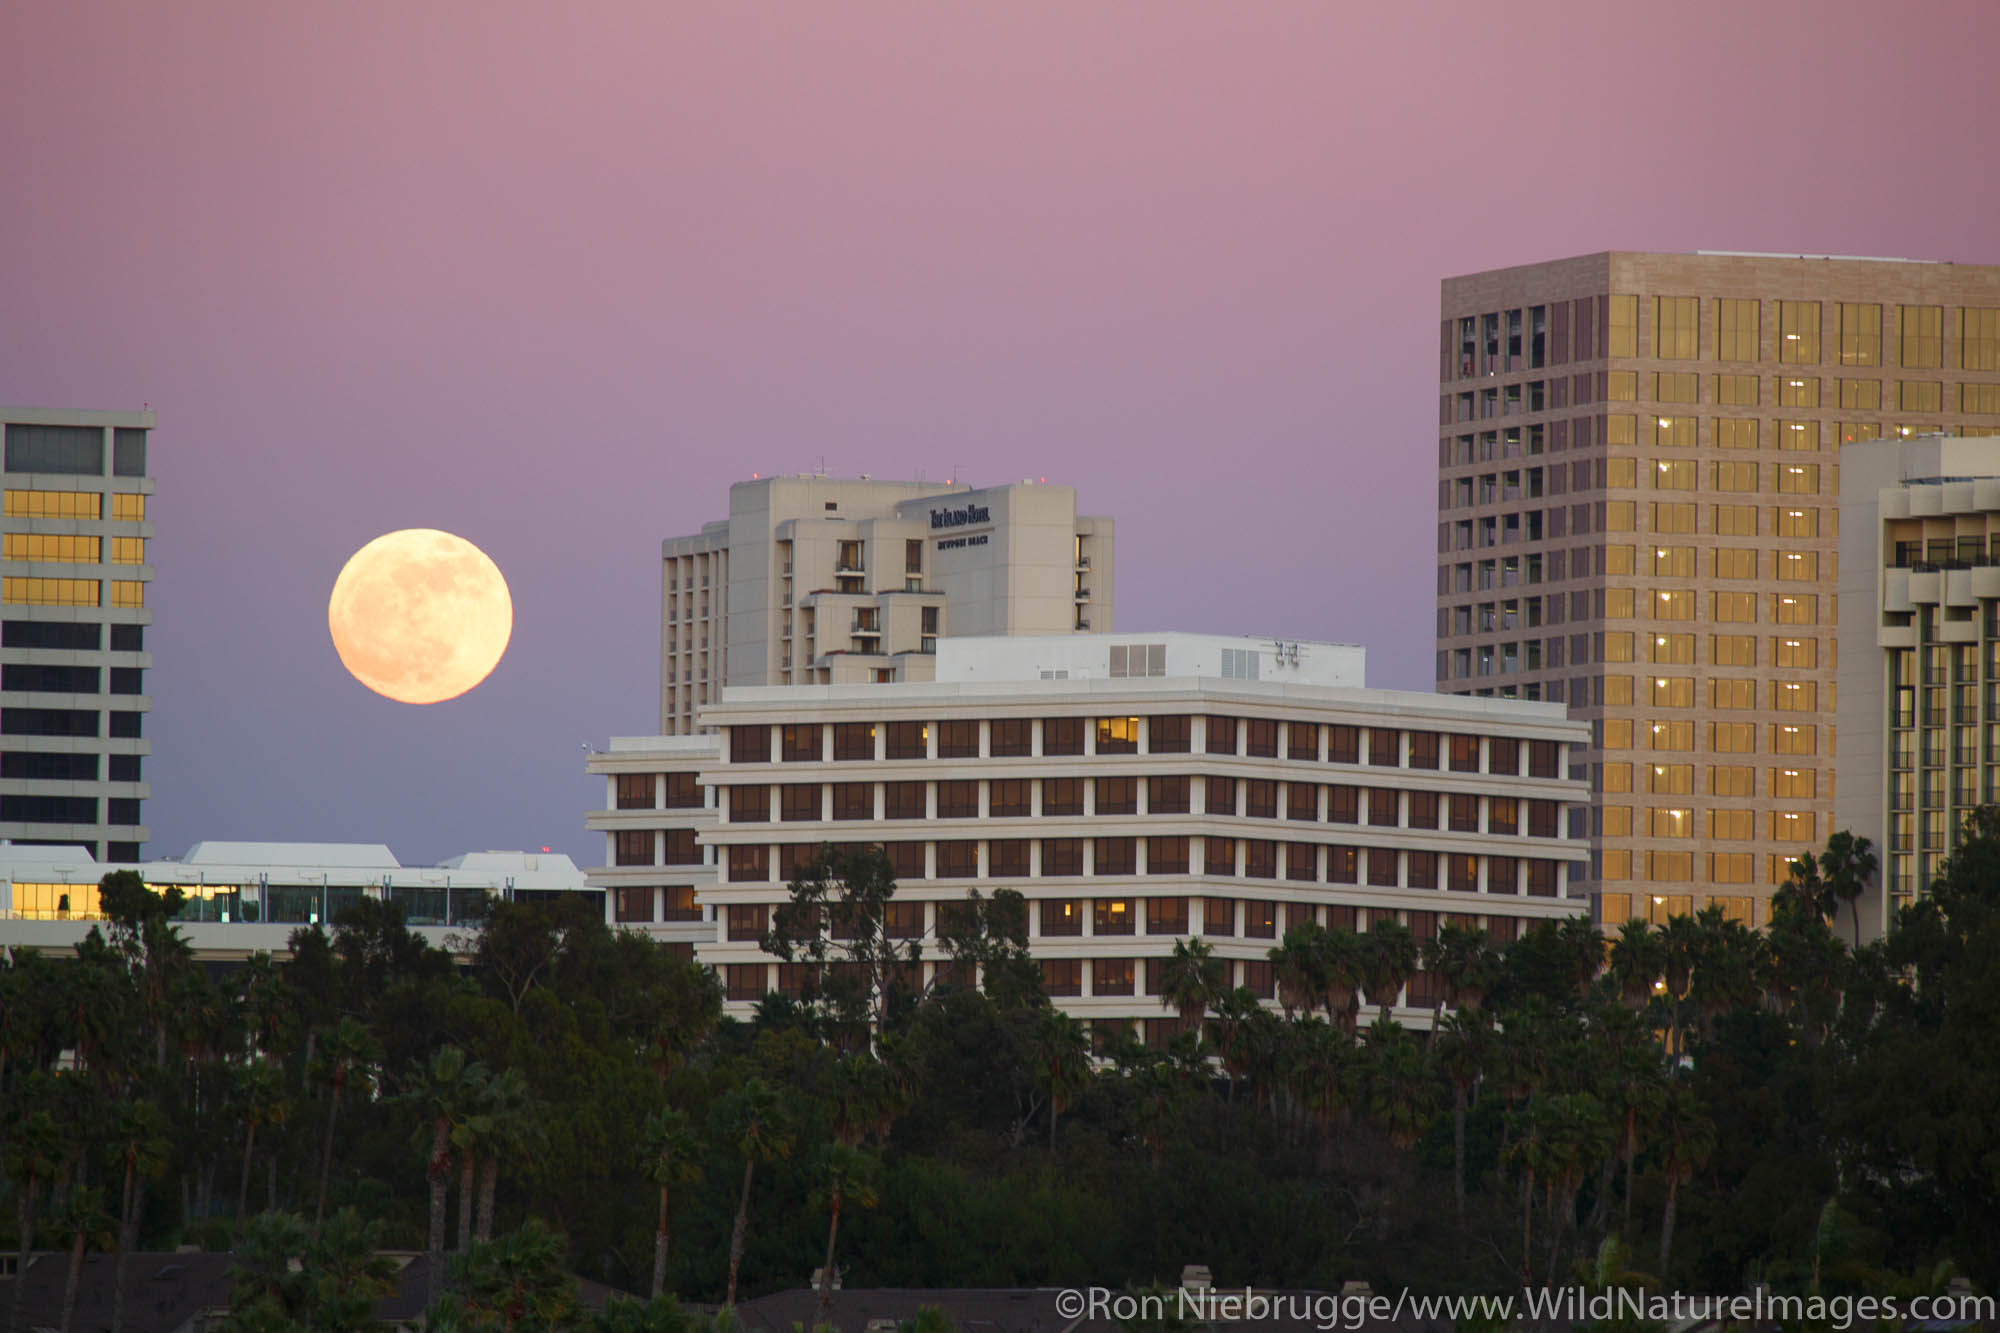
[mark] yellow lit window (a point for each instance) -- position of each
(1799, 609)
(1673, 475)
(1670, 735)
(57, 902)
(1624, 327)
(1617, 733)
(1671, 649)
(1791, 826)
(49, 548)
(1671, 868)
(1669, 823)
(1619, 429)
(1726, 692)
(1732, 737)
(1979, 399)
(1919, 396)
(1798, 479)
(1730, 434)
(1617, 691)
(1730, 476)
(53, 504)
(1733, 608)
(1676, 386)
(1794, 696)
(1922, 335)
(1736, 330)
(128, 594)
(1803, 566)
(128, 550)
(49, 592)
(1738, 650)
(1618, 559)
(1617, 821)
(1732, 825)
(1674, 432)
(1617, 777)
(1617, 603)
(1860, 334)
(1795, 652)
(1673, 518)
(1797, 784)
(1795, 391)
(1618, 646)
(1619, 515)
(1736, 390)
(1117, 735)
(1673, 562)
(1980, 346)
(1622, 386)
(1731, 780)
(1734, 562)
(1735, 520)
(1791, 738)
(1861, 395)
(1798, 333)
(1852, 432)
(1798, 435)
(1669, 779)
(1672, 692)
(1732, 868)
(1617, 865)
(1673, 604)
(1797, 522)
(1676, 327)
(128, 507)
(1621, 472)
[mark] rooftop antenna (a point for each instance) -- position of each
(955, 470)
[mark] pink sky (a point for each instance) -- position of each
(552, 276)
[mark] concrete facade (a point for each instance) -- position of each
(1131, 812)
(1919, 710)
(827, 580)
(1639, 473)
(73, 622)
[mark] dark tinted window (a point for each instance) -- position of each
(57, 634)
(52, 722)
(25, 676)
(128, 452)
(50, 767)
(71, 450)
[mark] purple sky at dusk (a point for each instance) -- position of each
(551, 277)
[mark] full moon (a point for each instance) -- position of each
(420, 616)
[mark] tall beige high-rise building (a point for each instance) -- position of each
(830, 581)
(1638, 461)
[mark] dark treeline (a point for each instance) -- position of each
(1697, 1105)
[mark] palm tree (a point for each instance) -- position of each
(1298, 966)
(1059, 1055)
(1688, 1137)
(1344, 964)
(1575, 1136)
(261, 1094)
(1192, 979)
(846, 1173)
(1847, 864)
(85, 1222)
(1391, 959)
(1681, 940)
(471, 1136)
(1460, 1046)
(142, 1144)
(514, 1117)
(443, 1092)
(1638, 958)
(762, 1134)
(669, 1159)
(1459, 958)
(1583, 947)
(34, 1154)
(1402, 1094)
(1322, 1058)
(347, 1056)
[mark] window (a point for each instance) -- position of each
(1465, 754)
(1919, 396)
(1675, 518)
(1733, 607)
(1738, 650)
(1167, 795)
(1675, 433)
(1796, 522)
(800, 743)
(745, 921)
(1136, 659)
(1464, 813)
(1860, 334)
(1798, 566)
(1800, 436)
(1117, 796)
(904, 800)
(1796, 784)
(1343, 805)
(1674, 474)
(854, 800)
(1062, 796)
(53, 504)
(632, 847)
(1118, 735)
(1383, 807)
(1301, 861)
(1168, 734)
(680, 903)
(1260, 858)
(1012, 737)
(1623, 339)
(1798, 332)
(1062, 856)
(127, 594)
(1980, 347)
(1302, 741)
(958, 740)
(743, 981)
(1730, 780)
(1218, 916)
(1672, 692)
(907, 740)
(1622, 386)
(1166, 856)
(749, 864)
(1921, 337)
(798, 802)
(1111, 976)
(1735, 434)
(1007, 858)
(126, 507)
(1166, 916)
(1735, 520)
(1728, 476)
(1732, 737)
(1061, 976)
(1302, 800)
(1736, 330)
(1798, 479)
(1218, 856)
(1221, 735)
(1736, 390)
(1676, 324)
(1676, 386)
(1802, 609)
(853, 740)
(49, 592)
(1668, 779)
(1794, 696)
(1113, 916)
(1343, 745)
(1260, 799)
(1794, 738)
(958, 800)
(635, 791)
(1423, 749)
(1979, 399)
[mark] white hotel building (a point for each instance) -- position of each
(1136, 789)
